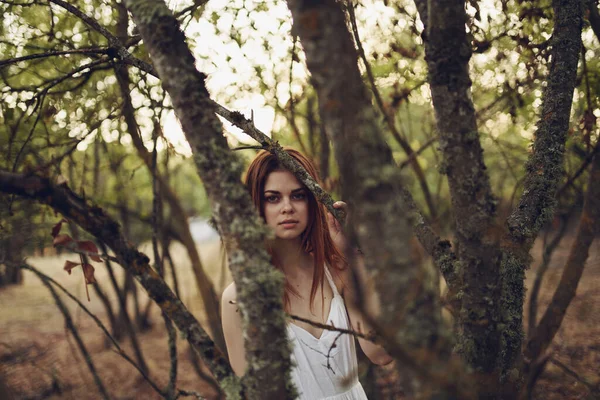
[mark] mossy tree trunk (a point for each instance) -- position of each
(371, 181)
(178, 214)
(493, 259)
(260, 286)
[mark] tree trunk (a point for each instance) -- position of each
(259, 285)
(205, 287)
(371, 182)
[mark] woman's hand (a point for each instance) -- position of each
(335, 228)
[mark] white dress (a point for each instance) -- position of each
(323, 372)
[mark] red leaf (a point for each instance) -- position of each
(62, 240)
(69, 265)
(89, 246)
(56, 228)
(88, 272)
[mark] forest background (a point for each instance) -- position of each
(83, 110)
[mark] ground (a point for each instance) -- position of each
(40, 360)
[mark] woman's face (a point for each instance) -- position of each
(285, 205)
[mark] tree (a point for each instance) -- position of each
(484, 266)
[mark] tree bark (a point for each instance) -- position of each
(371, 182)
(544, 171)
(180, 217)
(491, 269)
(447, 54)
(589, 228)
(259, 285)
(96, 222)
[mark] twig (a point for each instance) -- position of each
(156, 220)
(69, 324)
(191, 9)
(53, 54)
(121, 51)
(238, 120)
(417, 153)
(188, 393)
(99, 323)
(388, 118)
(72, 247)
(292, 117)
(574, 374)
(371, 337)
(588, 159)
(547, 256)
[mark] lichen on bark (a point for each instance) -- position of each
(371, 182)
(243, 232)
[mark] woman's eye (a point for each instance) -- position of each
(271, 199)
(299, 196)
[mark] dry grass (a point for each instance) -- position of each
(577, 343)
(38, 357)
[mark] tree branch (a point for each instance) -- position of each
(52, 54)
(545, 165)
(242, 230)
(99, 323)
(389, 118)
(71, 326)
(589, 227)
(594, 17)
(95, 221)
(371, 181)
(447, 52)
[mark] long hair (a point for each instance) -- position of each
(316, 239)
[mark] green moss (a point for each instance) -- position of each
(147, 11)
(512, 272)
(232, 387)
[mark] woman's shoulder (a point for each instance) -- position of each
(230, 293)
(340, 274)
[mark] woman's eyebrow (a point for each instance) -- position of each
(277, 192)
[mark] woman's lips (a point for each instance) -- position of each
(288, 224)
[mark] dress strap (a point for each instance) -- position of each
(331, 282)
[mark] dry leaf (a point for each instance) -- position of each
(89, 246)
(62, 240)
(69, 265)
(56, 228)
(88, 272)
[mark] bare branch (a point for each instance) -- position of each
(53, 54)
(242, 230)
(545, 165)
(238, 120)
(71, 326)
(94, 220)
(389, 118)
(99, 323)
(589, 227)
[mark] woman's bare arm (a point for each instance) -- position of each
(374, 352)
(232, 329)
(370, 305)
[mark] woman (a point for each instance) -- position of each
(317, 285)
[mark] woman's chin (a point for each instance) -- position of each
(288, 234)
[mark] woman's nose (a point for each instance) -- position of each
(287, 206)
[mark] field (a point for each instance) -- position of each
(39, 358)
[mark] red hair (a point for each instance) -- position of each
(316, 239)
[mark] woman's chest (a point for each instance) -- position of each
(319, 311)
